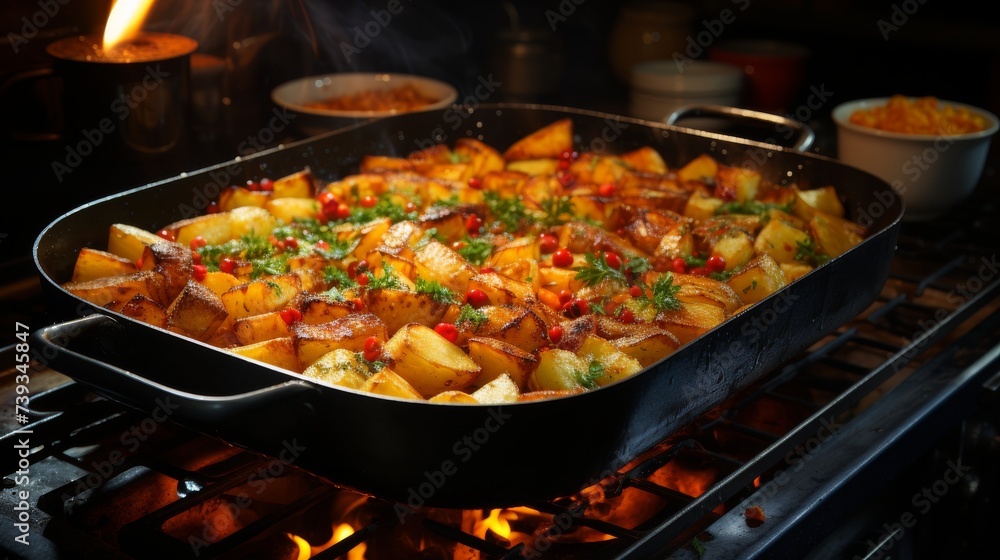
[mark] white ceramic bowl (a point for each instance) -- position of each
(932, 173)
(297, 95)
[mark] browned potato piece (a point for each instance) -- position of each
(279, 352)
(742, 183)
(547, 142)
(339, 367)
(447, 220)
(143, 309)
(558, 370)
(760, 278)
(115, 291)
(701, 289)
(197, 311)
(92, 264)
(317, 309)
(400, 307)
(834, 236)
(261, 296)
(648, 347)
(237, 197)
(453, 397)
(700, 205)
(129, 242)
(645, 159)
(512, 324)
(312, 341)
(220, 282)
(702, 168)
(428, 361)
(258, 328)
(223, 226)
(389, 384)
(300, 184)
(172, 261)
(498, 358)
(501, 390)
(794, 271)
(290, 209)
(502, 290)
(616, 364)
(780, 240)
(541, 166)
(824, 199)
(691, 320)
(482, 157)
(438, 262)
(525, 248)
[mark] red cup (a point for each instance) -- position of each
(774, 71)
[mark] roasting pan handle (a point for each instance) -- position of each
(140, 392)
(804, 136)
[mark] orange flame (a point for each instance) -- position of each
(498, 524)
(341, 532)
(124, 22)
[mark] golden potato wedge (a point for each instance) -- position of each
(453, 397)
(834, 236)
(237, 197)
(92, 264)
(438, 262)
(449, 221)
(351, 332)
(172, 261)
(388, 384)
(143, 309)
(218, 228)
(780, 240)
(703, 168)
(700, 205)
(558, 370)
(301, 184)
(129, 242)
(501, 390)
(547, 142)
(735, 247)
(502, 290)
(318, 308)
(616, 365)
(258, 328)
(649, 346)
(532, 167)
(738, 183)
(400, 239)
(481, 158)
(514, 325)
(760, 278)
(220, 282)
(496, 358)
(339, 367)
(645, 159)
(691, 320)
(824, 199)
(115, 291)
(290, 209)
(794, 271)
(400, 307)
(525, 248)
(428, 361)
(261, 296)
(701, 289)
(279, 352)
(197, 311)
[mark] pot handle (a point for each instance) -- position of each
(144, 394)
(804, 136)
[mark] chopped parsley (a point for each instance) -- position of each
(558, 210)
(477, 249)
(437, 292)
(588, 379)
(807, 253)
(338, 278)
(450, 202)
(664, 294)
(509, 211)
(384, 208)
(374, 366)
(431, 234)
(457, 157)
(469, 314)
(598, 270)
(752, 207)
(249, 247)
(388, 280)
(313, 232)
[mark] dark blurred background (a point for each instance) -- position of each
(568, 52)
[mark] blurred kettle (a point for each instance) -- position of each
(528, 61)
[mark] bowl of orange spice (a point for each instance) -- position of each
(932, 152)
(331, 101)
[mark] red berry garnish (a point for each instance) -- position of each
(252, 185)
(227, 265)
(606, 189)
(197, 242)
(213, 208)
(343, 211)
(477, 298)
(715, 263)
(291, 242)
(565, 178)
(564, 296)
(410, 207)
(548, 243)
(475, 183)
(626, 316)
(700, 271)
(363, 279)
(195, 257)
(562, 258)
(555, 334)
(613, 260)
(322, 245)
(373, 348)
(486, 270)
(680, 266)
(473, 224)
(290, 315)
(576, 308)
(166, 234)
(368, 201)
(328, 205)
(635, 291)
(447, 330)
(563, 164)
(266, 184)
(358, 304)
(199, 272)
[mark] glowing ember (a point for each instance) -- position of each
(124, 22)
